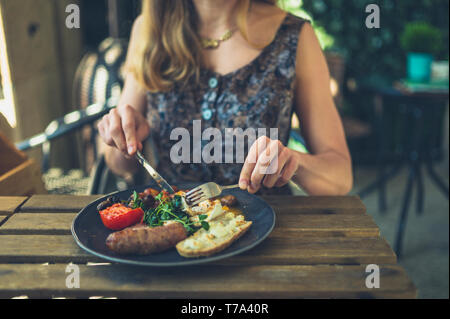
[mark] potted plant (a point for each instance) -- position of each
(422, 42)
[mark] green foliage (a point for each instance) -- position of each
(295, 7)
(373, 56)
(376, 52)
(421, 37)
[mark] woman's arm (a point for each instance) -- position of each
(327, 169)
(125, 127)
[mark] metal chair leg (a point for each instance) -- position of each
(404, 212)
(382, 193)
(436, 179)
(381, 180)
(420, 190)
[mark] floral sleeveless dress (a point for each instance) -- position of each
(258, 95)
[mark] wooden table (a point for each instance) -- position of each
(320, 247)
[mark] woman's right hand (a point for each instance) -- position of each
(124, 128)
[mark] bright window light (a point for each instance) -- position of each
(7, 105)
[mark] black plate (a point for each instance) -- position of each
(90, 233)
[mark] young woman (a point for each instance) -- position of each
(231, 64)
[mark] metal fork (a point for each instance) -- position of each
(204, 192)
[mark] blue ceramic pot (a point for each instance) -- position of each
(419, 67)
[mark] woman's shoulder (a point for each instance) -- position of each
(267, 22)
(271, 14)
(294, 26)
(294, 20)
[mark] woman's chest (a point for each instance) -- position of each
(256, 100)
(258, 94)
(224, 60)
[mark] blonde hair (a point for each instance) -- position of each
(168, 49)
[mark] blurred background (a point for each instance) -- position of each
(390, 84)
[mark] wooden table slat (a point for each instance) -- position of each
(287, 225)
(273, 251)
(329, 205)
(328, 281)
(9, 204)
(38, 224)
(57, 203)
(282, 204)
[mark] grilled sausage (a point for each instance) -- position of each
(228, 200)
(143, 240)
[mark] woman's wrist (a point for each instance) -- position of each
(119, 163)
(325, 174)
(298, 158)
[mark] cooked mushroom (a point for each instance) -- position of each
(228, 200)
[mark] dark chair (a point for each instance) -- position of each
(97, 86)
(69, 123)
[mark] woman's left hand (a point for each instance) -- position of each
(268, 163)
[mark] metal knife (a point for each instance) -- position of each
(154, 174)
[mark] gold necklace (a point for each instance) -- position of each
(208, 43)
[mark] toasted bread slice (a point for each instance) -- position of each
(222, 232)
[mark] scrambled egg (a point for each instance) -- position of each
(211, 208)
